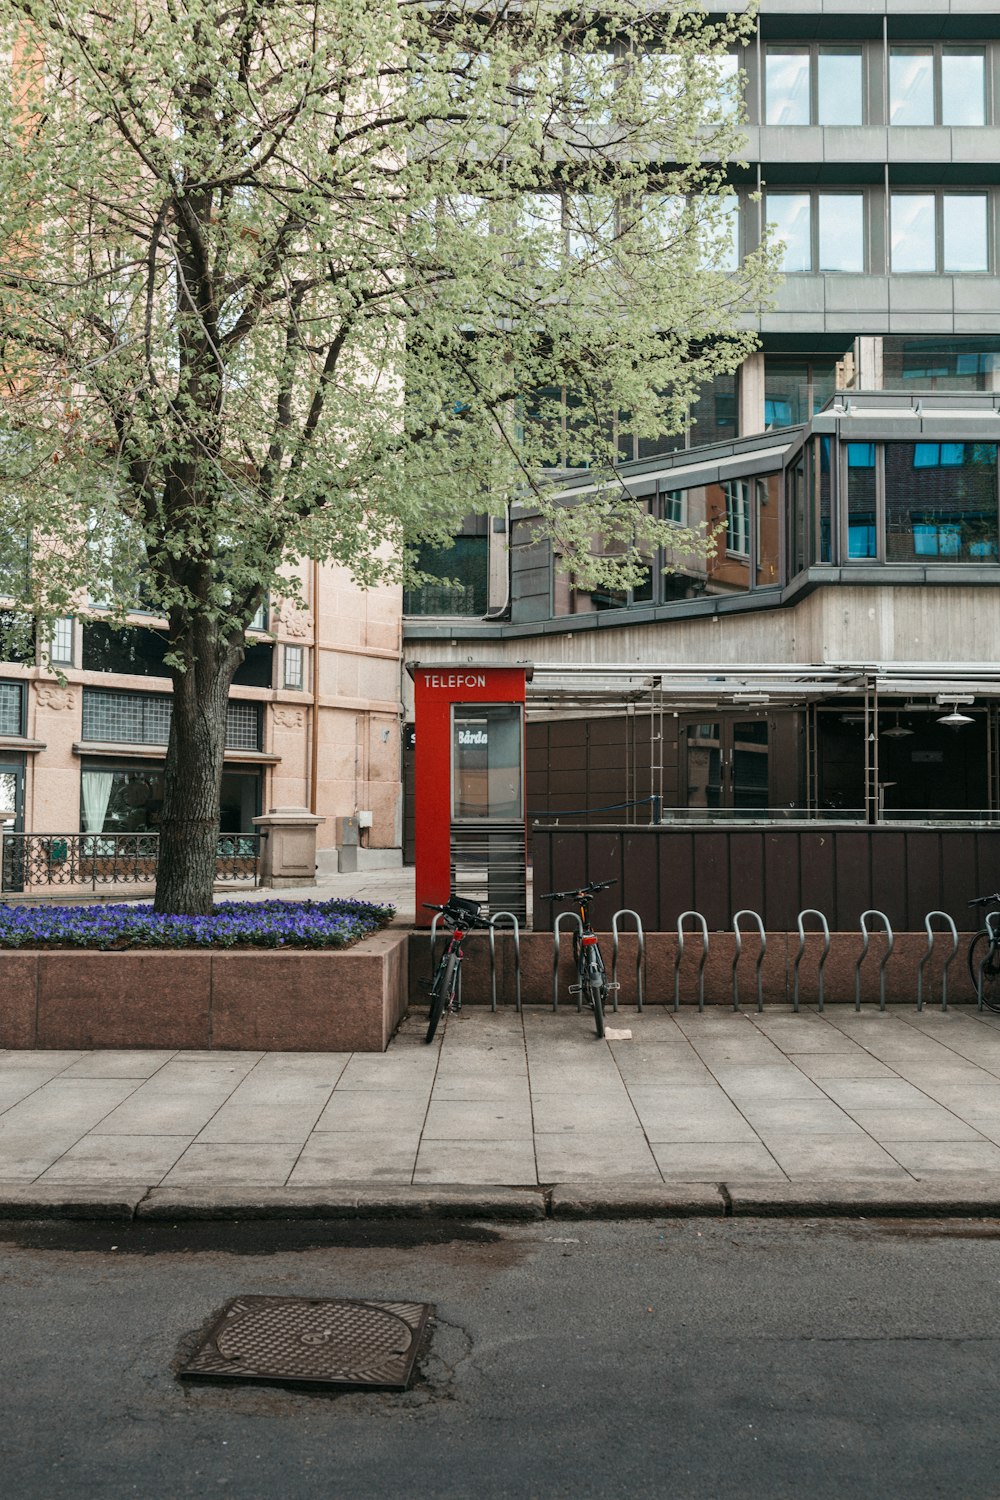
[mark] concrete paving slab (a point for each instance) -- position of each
(118, 1064)
(834, 1158)
(111, 1158)
(721, 1124)
(355, 1110)
(798, 1117)
(921, 1158)
(33, 1062)
(556, 1113)
(874, 1093)
(577, 1157)
(350, 1156)
(228, 1166)
(707, 1161)
(498, 1161)
(767, 1081)
(269, 1107)
(929, 1123)
(476, 1120)
(855, 1063)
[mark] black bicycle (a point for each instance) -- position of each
(592, 980)
(459, 915)
(984, 953)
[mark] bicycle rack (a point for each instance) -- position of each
(516, 928)
(931, 937)
(760, 956)
(992, 918)
(640, 956)
(810, 911)
(678, 956)
(864, 953)
(556, 946)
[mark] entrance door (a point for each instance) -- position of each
(12, 799)
(727, 761)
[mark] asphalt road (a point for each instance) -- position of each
(685, 1359)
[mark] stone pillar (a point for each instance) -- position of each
(288, 846)
(751, 394)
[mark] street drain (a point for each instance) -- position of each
(318, 1341)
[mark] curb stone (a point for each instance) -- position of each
(107, 1201)
(973, 1197)
(347, 1201)
(679, 1200)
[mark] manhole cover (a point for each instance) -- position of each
(315, 1340)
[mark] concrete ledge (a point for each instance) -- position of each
(680, 1200)
(346, 1201)
(110, 1201)
(965, 1198)
(272, 1000)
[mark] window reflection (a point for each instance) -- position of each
(941, 502)
(911, 87)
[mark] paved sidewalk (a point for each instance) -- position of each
(896, 1102)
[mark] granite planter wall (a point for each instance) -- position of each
(292, 1000)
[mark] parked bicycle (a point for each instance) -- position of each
(459, 916)
(984, 953)
(592, 980)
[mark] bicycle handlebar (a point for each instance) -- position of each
(985, 900)
(460, 917)
(580, 890)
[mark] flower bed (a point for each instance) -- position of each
(232, 924)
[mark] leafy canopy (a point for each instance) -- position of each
(287, 278)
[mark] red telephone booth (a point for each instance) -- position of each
(470, 830)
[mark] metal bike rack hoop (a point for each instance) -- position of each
(931, 938)
(678, 956)
(864, 953)
(640, 955)
(516, 926)
(556, 946)
(810, 911)
(760, 956)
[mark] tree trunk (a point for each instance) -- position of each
(192, 784)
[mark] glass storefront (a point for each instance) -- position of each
(129, 799)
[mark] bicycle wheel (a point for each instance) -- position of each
(596, 993)
(984, 951)
(442, 991)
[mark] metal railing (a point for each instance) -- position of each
(31, 861)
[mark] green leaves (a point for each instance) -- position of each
(321, 277)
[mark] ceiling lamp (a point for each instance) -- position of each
(955, 720)
(896, 731)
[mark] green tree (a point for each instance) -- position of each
(290, 279)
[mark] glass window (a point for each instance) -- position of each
(841, 218)
(963, 88)
(964, 232)
(796, 389)
(293, 677)
(11, 708)
(486, 759)
(129, 799)
(941, 502)
(457, 581)
(61, 644)
(839, 88)
(911, 86)
(942, 364)
(738, 517)
(912, 232)
(786, 82)
(861, 518)
(675, 507)
(790, 215)
(111, 717)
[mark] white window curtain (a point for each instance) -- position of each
(96, 789)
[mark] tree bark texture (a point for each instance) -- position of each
(192, 784)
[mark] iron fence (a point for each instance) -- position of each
(34, 860)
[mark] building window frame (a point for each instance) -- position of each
(817, 198)
(938, 53)
(814, 51)
(941, 196)
(293, 675)
(880, 555)
(13, 704)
